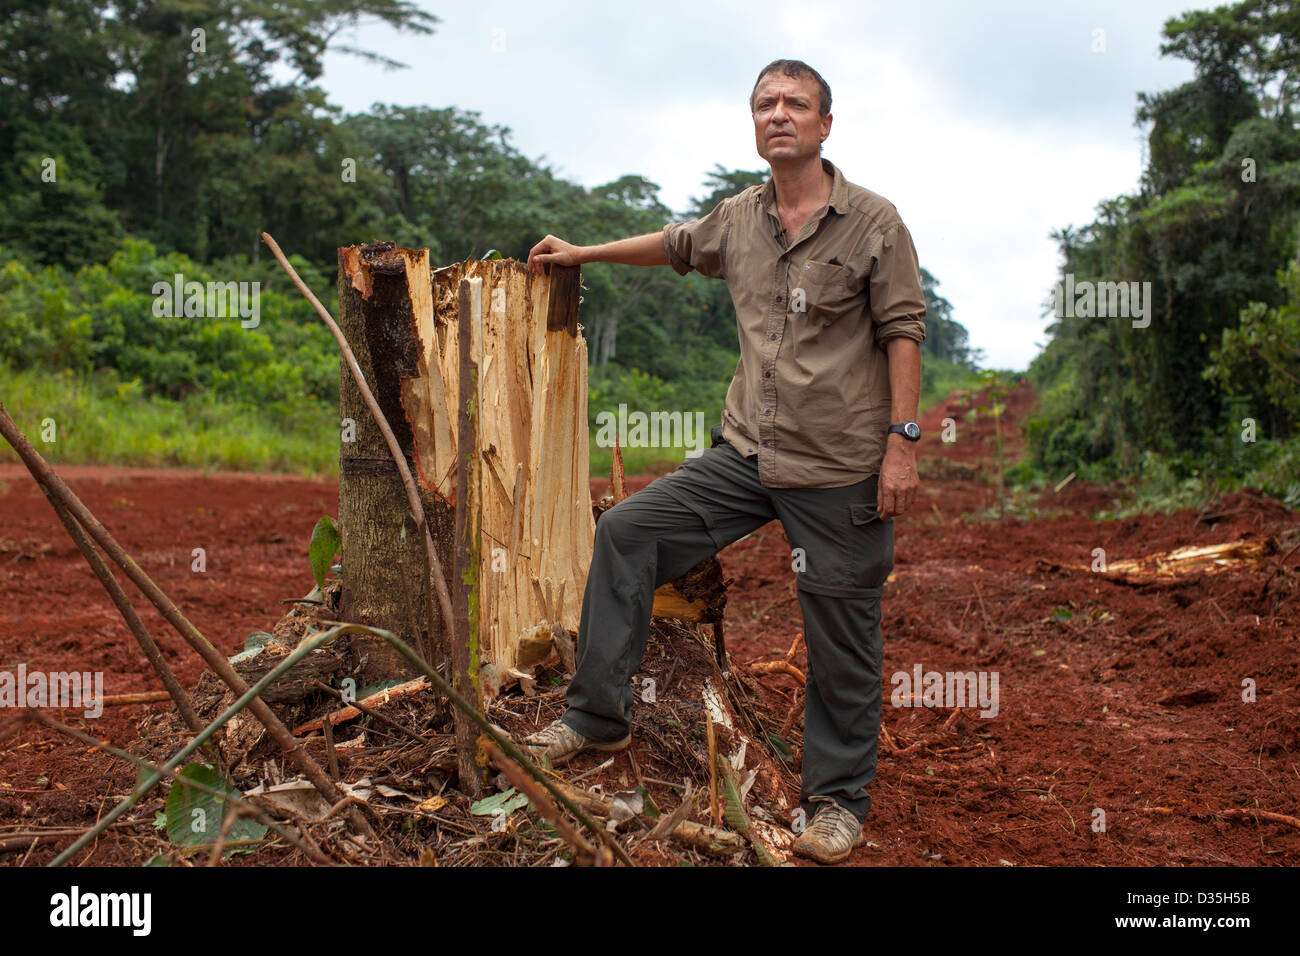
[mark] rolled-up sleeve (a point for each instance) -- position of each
(897, 299)
(700, 244)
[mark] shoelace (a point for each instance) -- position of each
(826, 823)
(550, 735)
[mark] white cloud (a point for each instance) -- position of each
(988, 124)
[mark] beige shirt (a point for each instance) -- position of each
(811, 394)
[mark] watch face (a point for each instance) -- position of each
(912, 430)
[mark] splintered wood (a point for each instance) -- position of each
(1207, 558)
(536, 525)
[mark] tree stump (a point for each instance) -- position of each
(534, 511)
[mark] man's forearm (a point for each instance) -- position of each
(904, 378)
(898, 473)
(646, 250)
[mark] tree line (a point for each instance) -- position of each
(1209, 381)
(149, 137)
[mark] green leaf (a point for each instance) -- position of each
(491, 255)
(1062, 613)
(781, 745)
(507, 800)
(257, 639)
(158, 859)
(324, 545)
(314, 596)
(364, 692)
(252, 646)
(649, 809)
(194, 818)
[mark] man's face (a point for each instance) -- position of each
(787, 125)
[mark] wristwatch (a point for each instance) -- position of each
(909, 430)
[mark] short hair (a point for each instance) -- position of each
(794, 69)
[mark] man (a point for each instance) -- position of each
(818, 431)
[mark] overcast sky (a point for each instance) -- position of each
(988, 124)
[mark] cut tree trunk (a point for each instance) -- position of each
(383, 300)
(535, 521)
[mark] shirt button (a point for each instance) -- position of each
(767, 411)
(767, 444)
(778, 298)
(767, 374)
(773, 335)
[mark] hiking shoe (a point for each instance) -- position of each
(831, 835)
(561, 743)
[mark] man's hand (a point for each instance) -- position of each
(896, 489)
(553, 249)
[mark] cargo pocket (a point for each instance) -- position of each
(871, 549)
(863, 514)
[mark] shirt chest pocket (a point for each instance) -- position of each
(821, 291)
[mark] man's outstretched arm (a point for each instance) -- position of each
(646, 250)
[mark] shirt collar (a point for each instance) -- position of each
(839, 200)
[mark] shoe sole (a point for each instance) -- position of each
(861, 841)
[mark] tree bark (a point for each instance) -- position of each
(383, 300)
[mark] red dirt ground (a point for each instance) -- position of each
(1119, 696)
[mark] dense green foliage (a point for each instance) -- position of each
(147, 139)
(1212, 223)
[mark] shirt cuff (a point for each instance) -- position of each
(908, 328)
(680, 265)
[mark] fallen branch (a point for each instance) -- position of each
(888, 738)
(782, 667)
(1258, 815)
(709, 840)
(21, 842)
(778, 667)
(125, 700)
(54, 487)
(357, 708)
(143, 697)
(1063, 482)
(490, 731)
(233, 813)
(790, 715)
(174, 692)
(1276, 568)
(715, 811)
(1229, 814)
(668, 824)
(247, 700)
(235, 801)
(546, 807)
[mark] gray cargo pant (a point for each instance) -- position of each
(841, 554)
